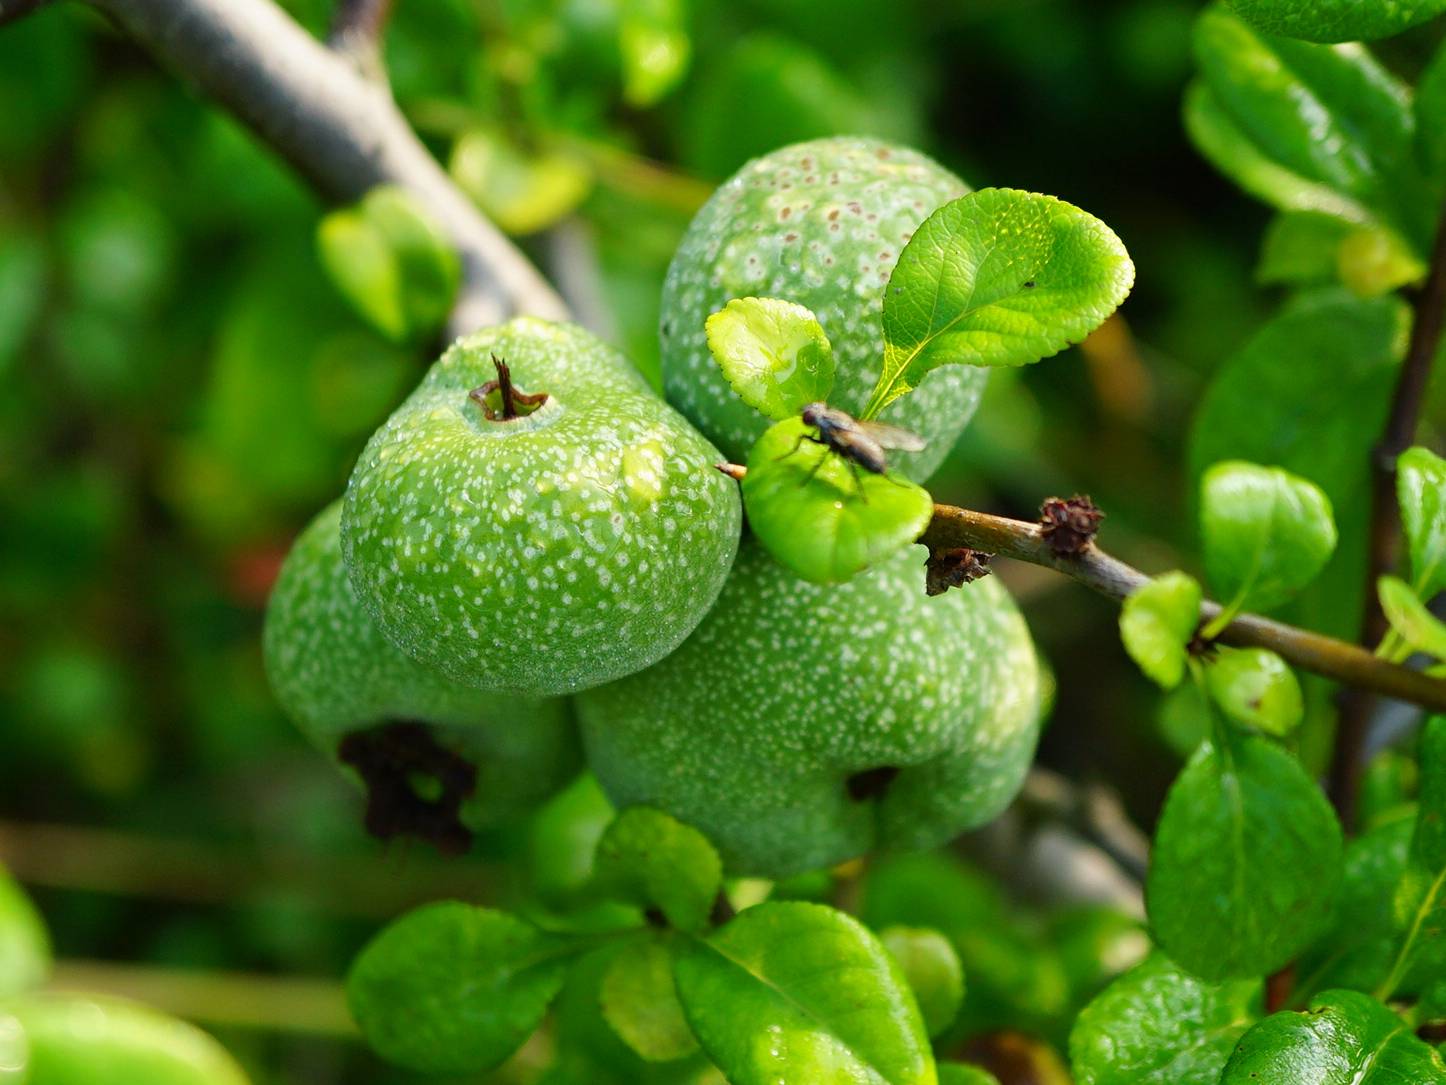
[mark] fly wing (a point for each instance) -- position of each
(892, 436)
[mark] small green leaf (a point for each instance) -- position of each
(997, 278)
(1255, 688)
(801, 992)
(1246, 862)
(1157, 622)
(1266, 533)
(1413, 623)
(820, 515)
(773, 353)
(640, 1003)
(523, 191)
(1421, 495)
(1301, 247)
(655, 47)
(364, 269)
(653, 860)
(450, 988)
(961, 1073)
(1344, 1038)
(1337, 20)
(1158, 1025)
(24, 942)
(932, 970)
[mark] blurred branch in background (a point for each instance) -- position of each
(339, 129)
(357, 30)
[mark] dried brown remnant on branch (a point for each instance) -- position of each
(1069, 525)
(953, 568)
(391, 759)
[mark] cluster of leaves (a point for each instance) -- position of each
(995, 278)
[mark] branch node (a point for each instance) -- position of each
(953, 567)
(1069, 526)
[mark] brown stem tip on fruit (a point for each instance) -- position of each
(500, 401)
(953, 568)
(1069, 526)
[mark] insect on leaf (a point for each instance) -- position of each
(773, 353)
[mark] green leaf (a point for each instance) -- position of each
(1413, 623)
(1344, 1038)
(1158, 1025)
(932, 970)
(1372, 261)
(1157, 622)
(1246, 862)
(960, 1073)
(773, 353)
(1328, 117)
(997, 278)
(1255, 688)
(450, 988)
(24, 942)
(820, 515)
(1265, 533)
(1301, 247)
(653, 39)
(1337, 20)
(653, 860)
(640, 1003)
(523, 191)
(801, 992)
(1421, 495)
(1431, 117)
(364, 269)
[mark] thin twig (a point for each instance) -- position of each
(356, 32)
(1357, 706)
(340, 130)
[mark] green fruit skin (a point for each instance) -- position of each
(91, 1040)
(334, 673)
(751, 730)
(545, 554)
(821, 224)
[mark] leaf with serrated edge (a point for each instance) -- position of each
(773, 353)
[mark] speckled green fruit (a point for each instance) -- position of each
(89, 1040)
(821, 224)
(804, 725)
(547, 553)
(337, 676)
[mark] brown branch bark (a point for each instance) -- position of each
(1358, 705)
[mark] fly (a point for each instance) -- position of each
(861, 444)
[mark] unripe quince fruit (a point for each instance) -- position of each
(802, 725)
(395, 724)
(822, 224)
(570, 545)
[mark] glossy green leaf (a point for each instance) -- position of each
(1344, 1038)
(1300, 247)
(452, 988)
(1158, 1025)
(931, 969)
(961, 1073)
(24, 942)
(1431, 117)
(1421, 495)
(1246, 862)
(640, 1002)
(820, 515)
(996, 278)
(651, 859)
(1412, 621)
(1256, 688)
(1265, 533)
(1157, 622)
(773, 353)
(1328, 117)
(1337, 20)
(801, 992)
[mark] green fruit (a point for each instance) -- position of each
(405, 730)
(803, 725)
(821, 224)
(545, 553)
(90, 1040)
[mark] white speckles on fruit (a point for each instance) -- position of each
(751, 730)
(604, 490)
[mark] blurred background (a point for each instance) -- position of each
(182, 388)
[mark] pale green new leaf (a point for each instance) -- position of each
(820, 515)
(773, 353)
(450, 988)
(651, 859)
(932, 970)
(1337, 20)
(1265, 533)
(1421, 495)
(1415, 625)
(801, 992)
(1255, 688)
(1246, 862)
(640, 1003)
(1344, 1038)
(1158, 1025)
(1157, 622)
(996, 278)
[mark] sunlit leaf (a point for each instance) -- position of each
(774, 354)
(640, 1003)
(1337, 20)
(655, 861)
(521, 191)
(653, 39)
(1158, 621)
(1255, 688)
(1421, 495)
(1410, 618)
